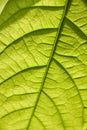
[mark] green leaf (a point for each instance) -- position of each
(43, 65)
(2, 4)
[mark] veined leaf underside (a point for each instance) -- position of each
(43, 66)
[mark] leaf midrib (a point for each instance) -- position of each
(49, 63)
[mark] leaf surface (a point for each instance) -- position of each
(43, 65)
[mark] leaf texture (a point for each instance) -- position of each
(43, 65)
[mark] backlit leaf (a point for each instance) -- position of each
(43, 65)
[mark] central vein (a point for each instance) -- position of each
(50, 59)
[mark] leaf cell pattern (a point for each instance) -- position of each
(43, 65)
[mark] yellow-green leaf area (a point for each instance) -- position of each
(43, 65)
